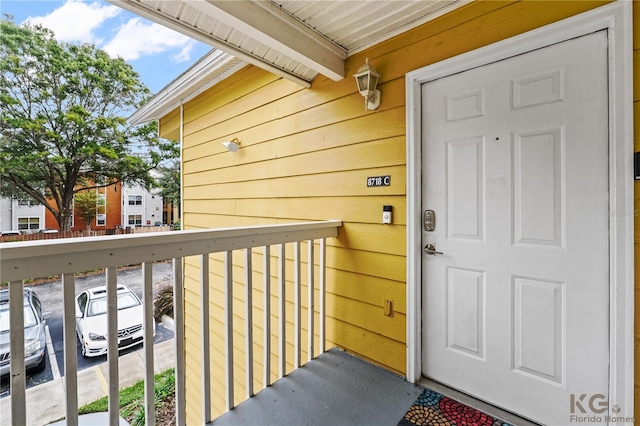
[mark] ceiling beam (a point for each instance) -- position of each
(268, 24)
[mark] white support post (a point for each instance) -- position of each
(112, 346)
(323, 296)
(310, 303)
(282, 309)
(148, 327)
(206, 340)
(70, 348)
(248, 320)
(228, 311)
(178, 321)
(16, 349)
(297, 306)
(266, 270)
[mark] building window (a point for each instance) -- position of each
(27, 203)
(135, 219)
(135, 200)
(101, 210)
(25, 223)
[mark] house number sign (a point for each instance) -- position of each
(379, 181)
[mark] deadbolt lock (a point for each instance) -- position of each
(429, 220)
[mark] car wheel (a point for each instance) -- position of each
(41, 365)
(83, 350)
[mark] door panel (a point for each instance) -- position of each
(515, 166)
(465, 311)
(465, 187)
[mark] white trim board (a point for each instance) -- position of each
(616, 18)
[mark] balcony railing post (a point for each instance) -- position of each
(248, 320)
(311, 305)
(16, 348)
(323, 289)
(282, 310)
(70, 348)
(149, 378)
(112, 346)
(206, 341)
(297, 308)
(228, 312)
(266, 271)
(178, 318)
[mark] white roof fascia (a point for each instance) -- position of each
(271, 26)
(175, 25)
(187, 86)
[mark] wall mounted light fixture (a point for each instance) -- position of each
(233, 145)
(367, 80)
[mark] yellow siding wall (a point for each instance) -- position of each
(305, 155)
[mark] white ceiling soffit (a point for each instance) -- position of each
(296, 39)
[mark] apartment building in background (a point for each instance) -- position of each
(117, 206)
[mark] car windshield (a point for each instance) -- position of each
(99, 306)
(29, 319)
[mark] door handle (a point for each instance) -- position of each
(430, 249)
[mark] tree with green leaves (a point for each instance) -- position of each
(169, 182)
(62, 121)
(85, 206)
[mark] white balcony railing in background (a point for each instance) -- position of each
(33, 259)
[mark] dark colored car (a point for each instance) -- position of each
(35, 346)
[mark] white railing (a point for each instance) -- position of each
(26, 260)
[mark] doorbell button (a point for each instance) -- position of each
(387, 214)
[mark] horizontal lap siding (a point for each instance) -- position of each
(305, 155)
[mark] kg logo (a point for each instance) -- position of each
(583, 404)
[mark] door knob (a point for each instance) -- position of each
(430, 249)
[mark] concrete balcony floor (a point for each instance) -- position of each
(334, 389)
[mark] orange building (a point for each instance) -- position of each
(109, 212)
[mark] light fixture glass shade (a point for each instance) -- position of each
(367, 81)
(233, 145)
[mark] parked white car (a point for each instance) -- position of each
(91, 320)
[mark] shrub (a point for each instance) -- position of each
(163, 304)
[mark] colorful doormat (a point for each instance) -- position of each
(432, 408)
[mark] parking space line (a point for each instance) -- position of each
(52, 355)
(102, 379)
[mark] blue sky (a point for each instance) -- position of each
(157, 53)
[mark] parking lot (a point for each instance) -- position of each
(50, 294)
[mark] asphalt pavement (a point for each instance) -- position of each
(46, 402)
(45, 393)
(50, 293)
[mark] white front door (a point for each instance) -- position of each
(515, 168)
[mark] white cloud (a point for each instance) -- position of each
(139, 38)
(185, 54)
(77, 21)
